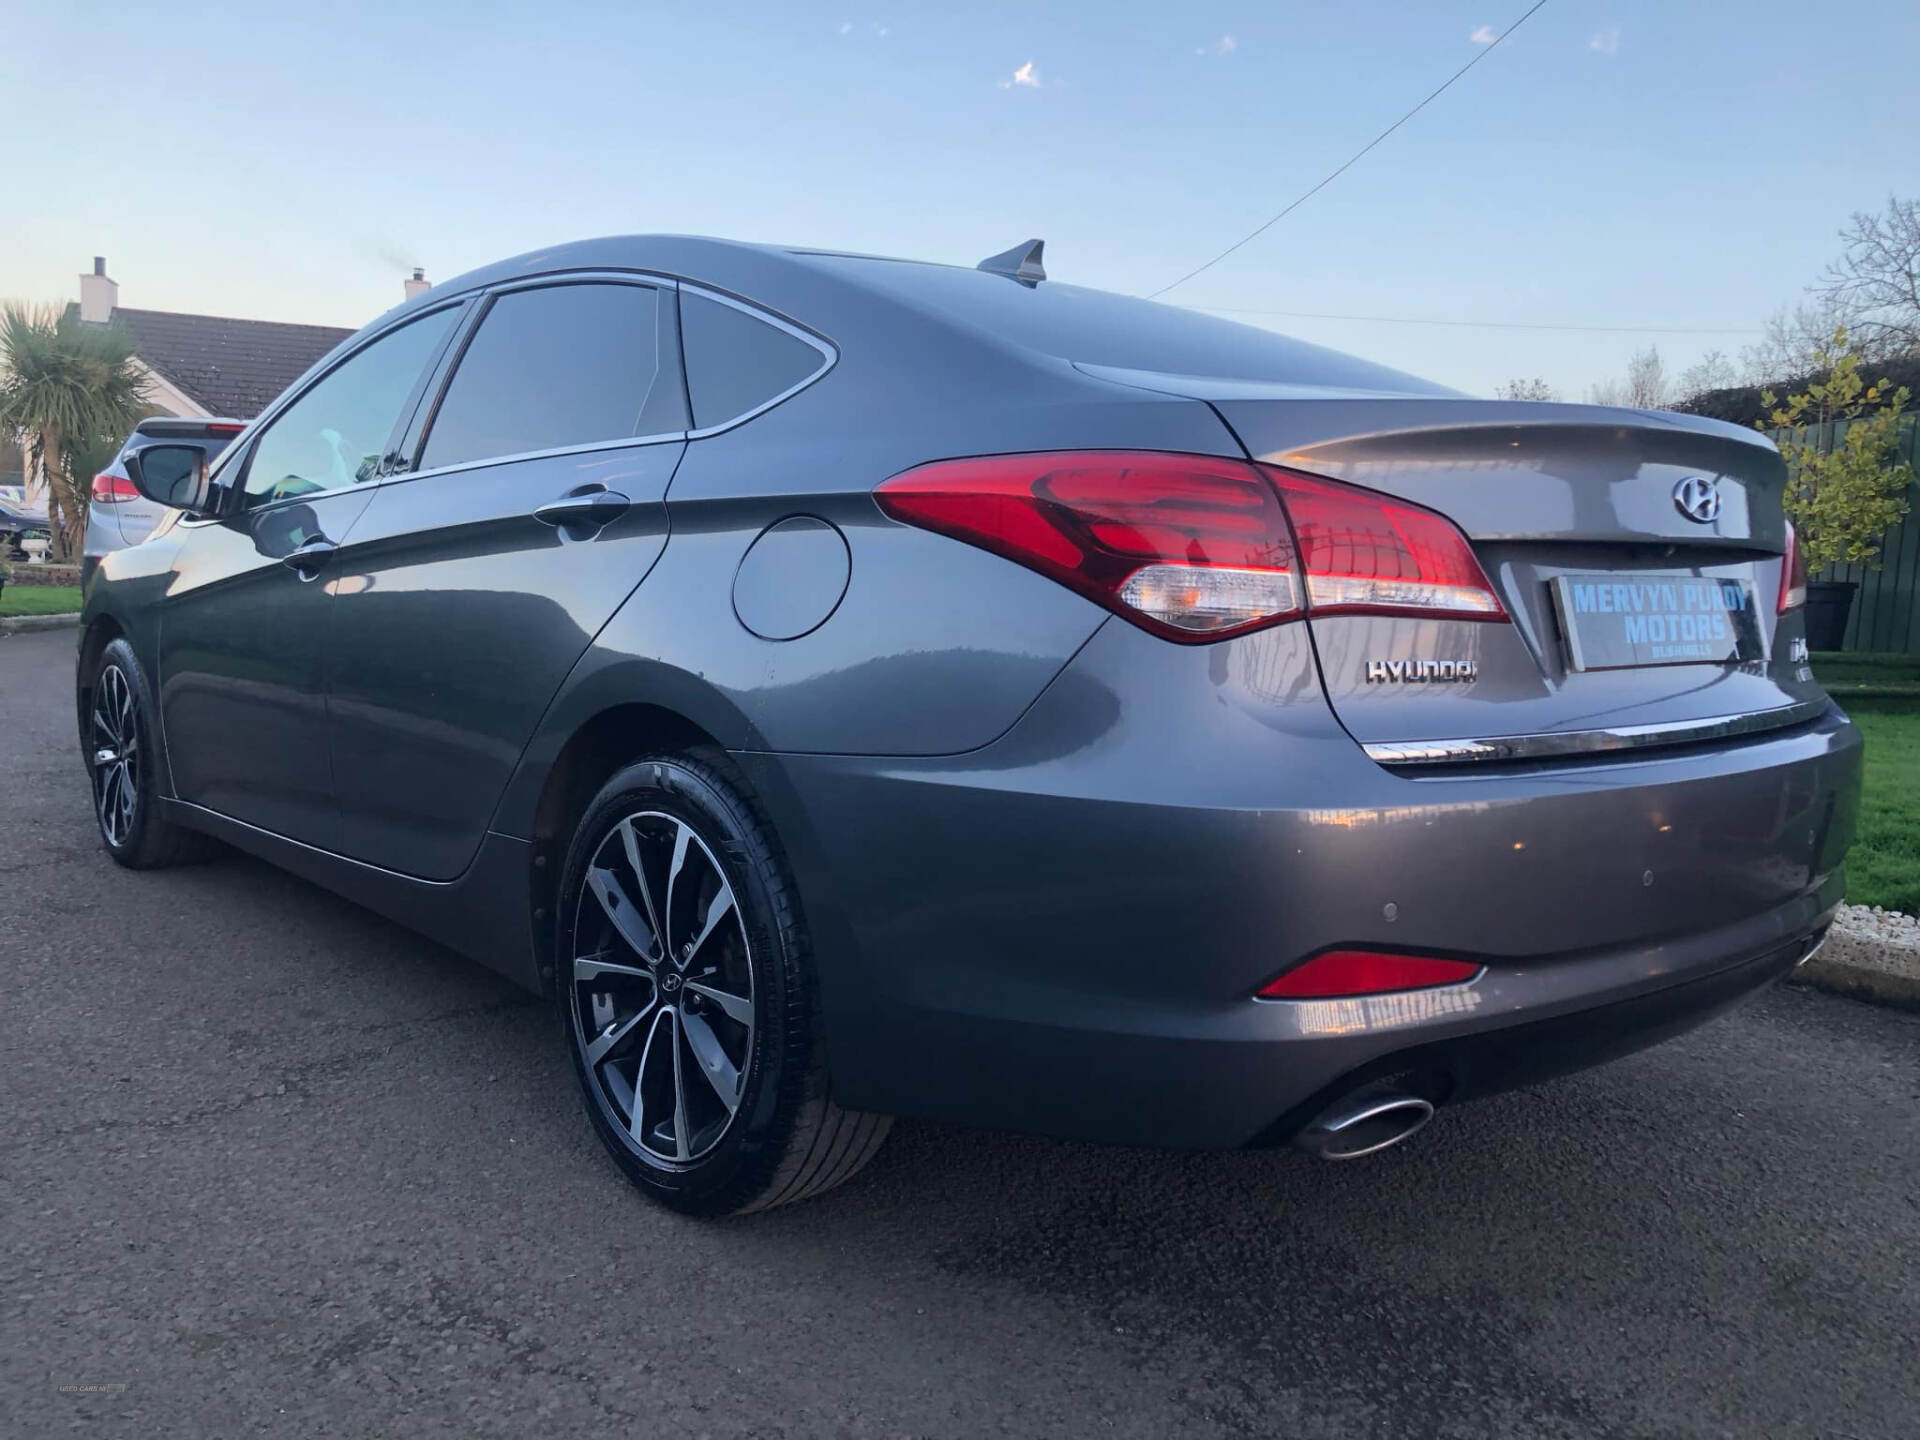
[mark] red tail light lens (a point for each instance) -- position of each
(1186, 546)
(1194, 547)
(224, 429)
(1337, 973)
(1366, 553)
(1793, 575)
(111, 489)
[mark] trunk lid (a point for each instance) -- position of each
(1579, 516)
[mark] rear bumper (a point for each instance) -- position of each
(1485, 1062)
(1062, 932)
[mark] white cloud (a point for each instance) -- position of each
(1225, 45)
(1484, 35)
(1606, 42)
(1026, 75)
(847, 28)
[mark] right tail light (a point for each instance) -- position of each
(1793, 575)
(111, 489)
(1196, 547)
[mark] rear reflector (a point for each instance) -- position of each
(1793, 575)
(1196, 547)
(111, 489)
(1365, 972)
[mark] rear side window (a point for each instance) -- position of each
(735, 362)
(554, 367)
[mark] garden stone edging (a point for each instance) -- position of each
(15, 624)
(1870, 954)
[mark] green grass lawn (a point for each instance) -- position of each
(39, 599)
(1882, 694)
(1884, 866)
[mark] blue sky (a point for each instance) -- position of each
(1660, 164)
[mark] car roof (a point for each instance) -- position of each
(841, 294)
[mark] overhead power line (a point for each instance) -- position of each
(1481, 324)
(1352, 159)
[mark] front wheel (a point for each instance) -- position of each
(686, 991)
(117, 732)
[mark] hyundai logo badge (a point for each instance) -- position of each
(1698, 498)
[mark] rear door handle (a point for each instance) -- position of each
(310, 558)
(588, 507)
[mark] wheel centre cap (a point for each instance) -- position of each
(670, 981)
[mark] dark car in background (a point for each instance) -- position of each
(17, 522)
(853, 687)
(118, 515)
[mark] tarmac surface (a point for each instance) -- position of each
(270, 1165)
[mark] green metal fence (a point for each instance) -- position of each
(1886, 609)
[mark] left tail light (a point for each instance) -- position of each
(111, 489)
(1793, 575)
(1197, 547)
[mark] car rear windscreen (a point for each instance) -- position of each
(1097, 327)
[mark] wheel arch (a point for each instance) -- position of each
(101, 632)
(596, 749)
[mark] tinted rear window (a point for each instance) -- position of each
(1097, 327)
(736, 363)
(558, 366)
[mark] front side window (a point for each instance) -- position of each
(335, 434)
(558, 366)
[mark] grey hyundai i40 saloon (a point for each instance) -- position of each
(856, 688)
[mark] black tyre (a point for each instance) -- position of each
(117, 732)
(686, 990)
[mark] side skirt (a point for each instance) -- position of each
(484, 913)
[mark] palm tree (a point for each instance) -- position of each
(66, 387)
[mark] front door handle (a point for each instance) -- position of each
(310, 558)
(588, 507)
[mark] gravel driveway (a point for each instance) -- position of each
(274, 1165)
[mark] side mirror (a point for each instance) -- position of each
(171, 475)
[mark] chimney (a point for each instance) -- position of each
(98, 294)
(417, 283)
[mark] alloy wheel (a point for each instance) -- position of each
(661, 1000)
(116, 755)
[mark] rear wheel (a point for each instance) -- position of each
(686, 990)
(118, 737)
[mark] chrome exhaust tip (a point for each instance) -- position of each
(1814, 945)
(1364, 1123)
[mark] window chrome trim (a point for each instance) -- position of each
(1612, 739)
(829, 355)
(632, 441)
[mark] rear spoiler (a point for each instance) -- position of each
(171, 428)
